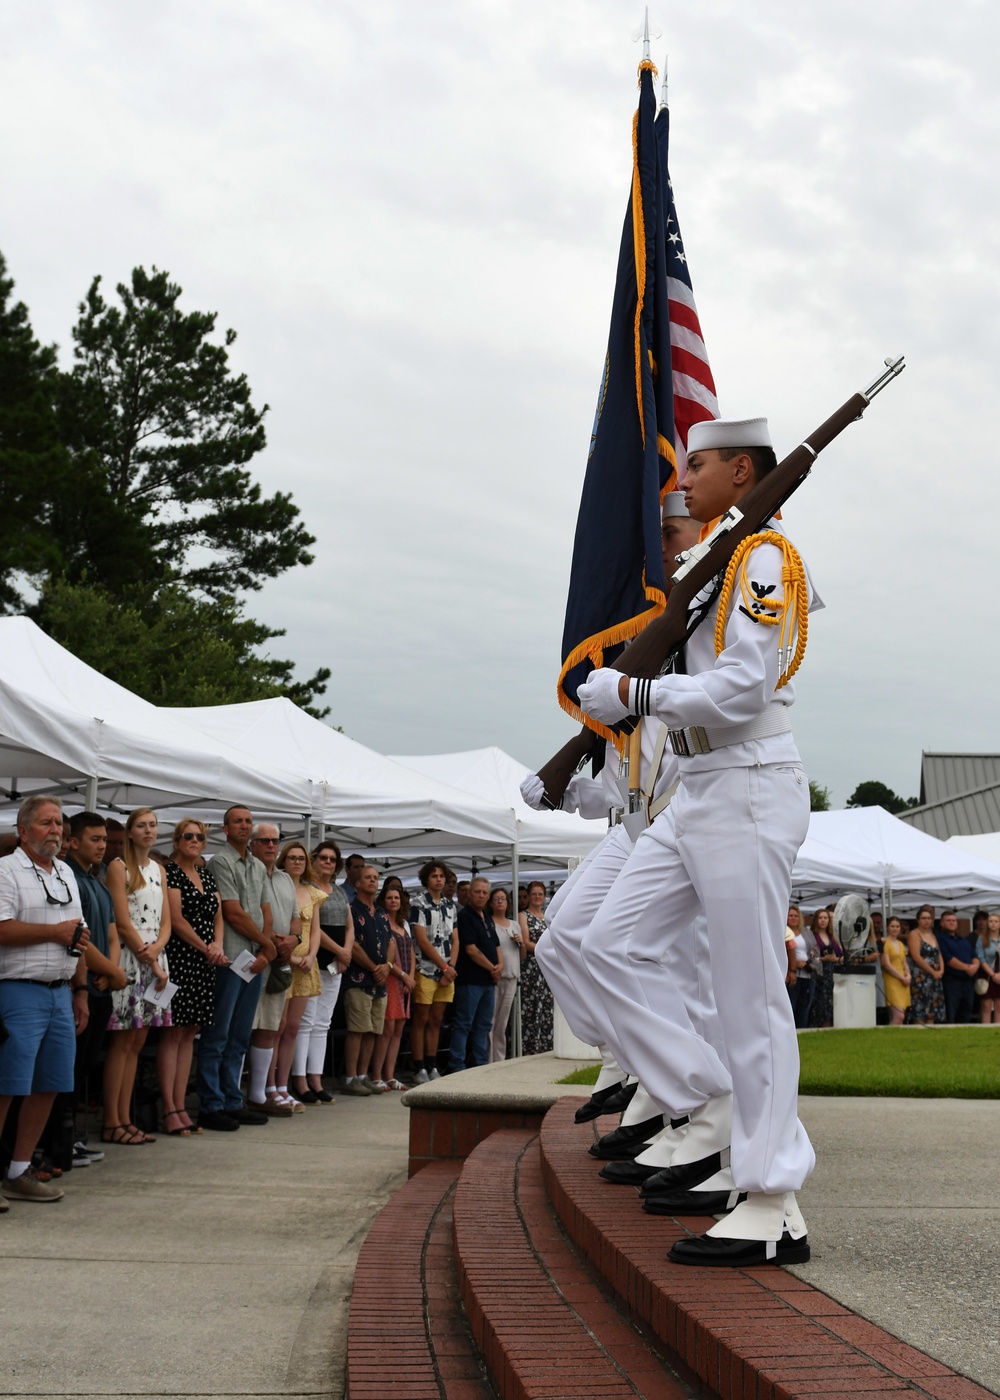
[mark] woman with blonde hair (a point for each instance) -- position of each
(988, 953)
(896, 973)
(336, 939)
(142, 919)
(296, 861)
(195, 951)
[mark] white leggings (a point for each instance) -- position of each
(314, 1029)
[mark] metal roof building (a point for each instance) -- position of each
(959, 795)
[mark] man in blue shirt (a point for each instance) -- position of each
(364, 1000)
(960, 968)
(85, 857)
(479, 968)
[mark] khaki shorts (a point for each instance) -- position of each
(365, 1012)
(267, 1017)
(429, 990)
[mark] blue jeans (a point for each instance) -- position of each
(473, 1018)
(224, 1043)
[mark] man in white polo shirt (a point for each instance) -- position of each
(43, 986)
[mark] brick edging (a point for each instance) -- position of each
(747, 1334)
(406, 1333)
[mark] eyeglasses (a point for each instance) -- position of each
(192, 836)
(267, 840)
(50, 898)
(295, 858)
(325, 856)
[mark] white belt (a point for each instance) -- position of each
(697, 739)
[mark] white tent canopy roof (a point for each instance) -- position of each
(864, 850)
(365, 800)
(63, 723)
(496, 776)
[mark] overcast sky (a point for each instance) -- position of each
(410, 214)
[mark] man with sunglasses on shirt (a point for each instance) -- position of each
(43, 986)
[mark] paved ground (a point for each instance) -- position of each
(904, 1218)
(253, 1237)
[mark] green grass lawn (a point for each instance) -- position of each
(935, 1063)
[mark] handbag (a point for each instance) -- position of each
(279, 979)
(981, 986)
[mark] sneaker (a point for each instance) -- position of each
(81, 1149)
(375, 1086)
(27, 1187)
(80, 1159)
(435, 1073)
(358, 1088)
(421, 1077)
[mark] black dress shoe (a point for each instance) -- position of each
(620, 1098)
(626, 1173)
(684, 1177)
(691, 1203)
(249, 1117)
(624, 1143)
(738, 1254)
(310, 1096)
(323, 1096)
(595, 1105)
(218, 1122)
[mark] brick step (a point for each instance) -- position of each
(407, 1337)
(543, 1324)
(745, 1334)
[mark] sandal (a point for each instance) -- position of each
(46, 1170)
(137, 1135)
(181, 1131)
(395, 1084)
(119, 1134)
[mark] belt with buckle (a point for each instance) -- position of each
(698, 739)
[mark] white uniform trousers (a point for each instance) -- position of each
(688, 999)
(559, 953)
(725, 846)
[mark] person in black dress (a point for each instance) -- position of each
(194, 952)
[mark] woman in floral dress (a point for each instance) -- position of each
(536, 998)
(142, 918)
(926, 972)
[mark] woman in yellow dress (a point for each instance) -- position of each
(306, 981)
(896, 973)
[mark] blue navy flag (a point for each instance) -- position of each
(617, 582)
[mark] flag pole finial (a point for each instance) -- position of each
(645, 33)
(663, 85)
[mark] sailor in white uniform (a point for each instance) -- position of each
(687, 997)
(725, 848)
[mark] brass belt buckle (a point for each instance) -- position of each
(687, 742)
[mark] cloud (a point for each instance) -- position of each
(411, 217)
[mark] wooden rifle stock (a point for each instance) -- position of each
(646, 655)
(560, 768)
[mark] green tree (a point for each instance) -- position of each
(174, 649)
(161, 432)
(819, 797)
(32, 457)
(876, 794)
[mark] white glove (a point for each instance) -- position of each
(533, 790)
(598, 696)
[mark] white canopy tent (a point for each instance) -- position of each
(985, 845)
(66, 729)
(495, 776)
(366, 801)
(866, 851)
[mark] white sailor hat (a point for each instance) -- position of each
(728, 432)
(674, 504)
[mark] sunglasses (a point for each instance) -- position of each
(192, 836)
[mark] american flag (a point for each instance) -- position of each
(694, 388)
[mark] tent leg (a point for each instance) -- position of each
(90, 797)
(307, 831)
(515, 1034)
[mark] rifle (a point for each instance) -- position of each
(664, 636)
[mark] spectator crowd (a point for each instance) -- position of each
(930, 971)
(235, 965)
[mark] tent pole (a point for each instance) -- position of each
(90, 797)
(515, 1037)
(307, 830)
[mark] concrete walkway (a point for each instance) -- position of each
(215, 1266)
(221, 1266)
